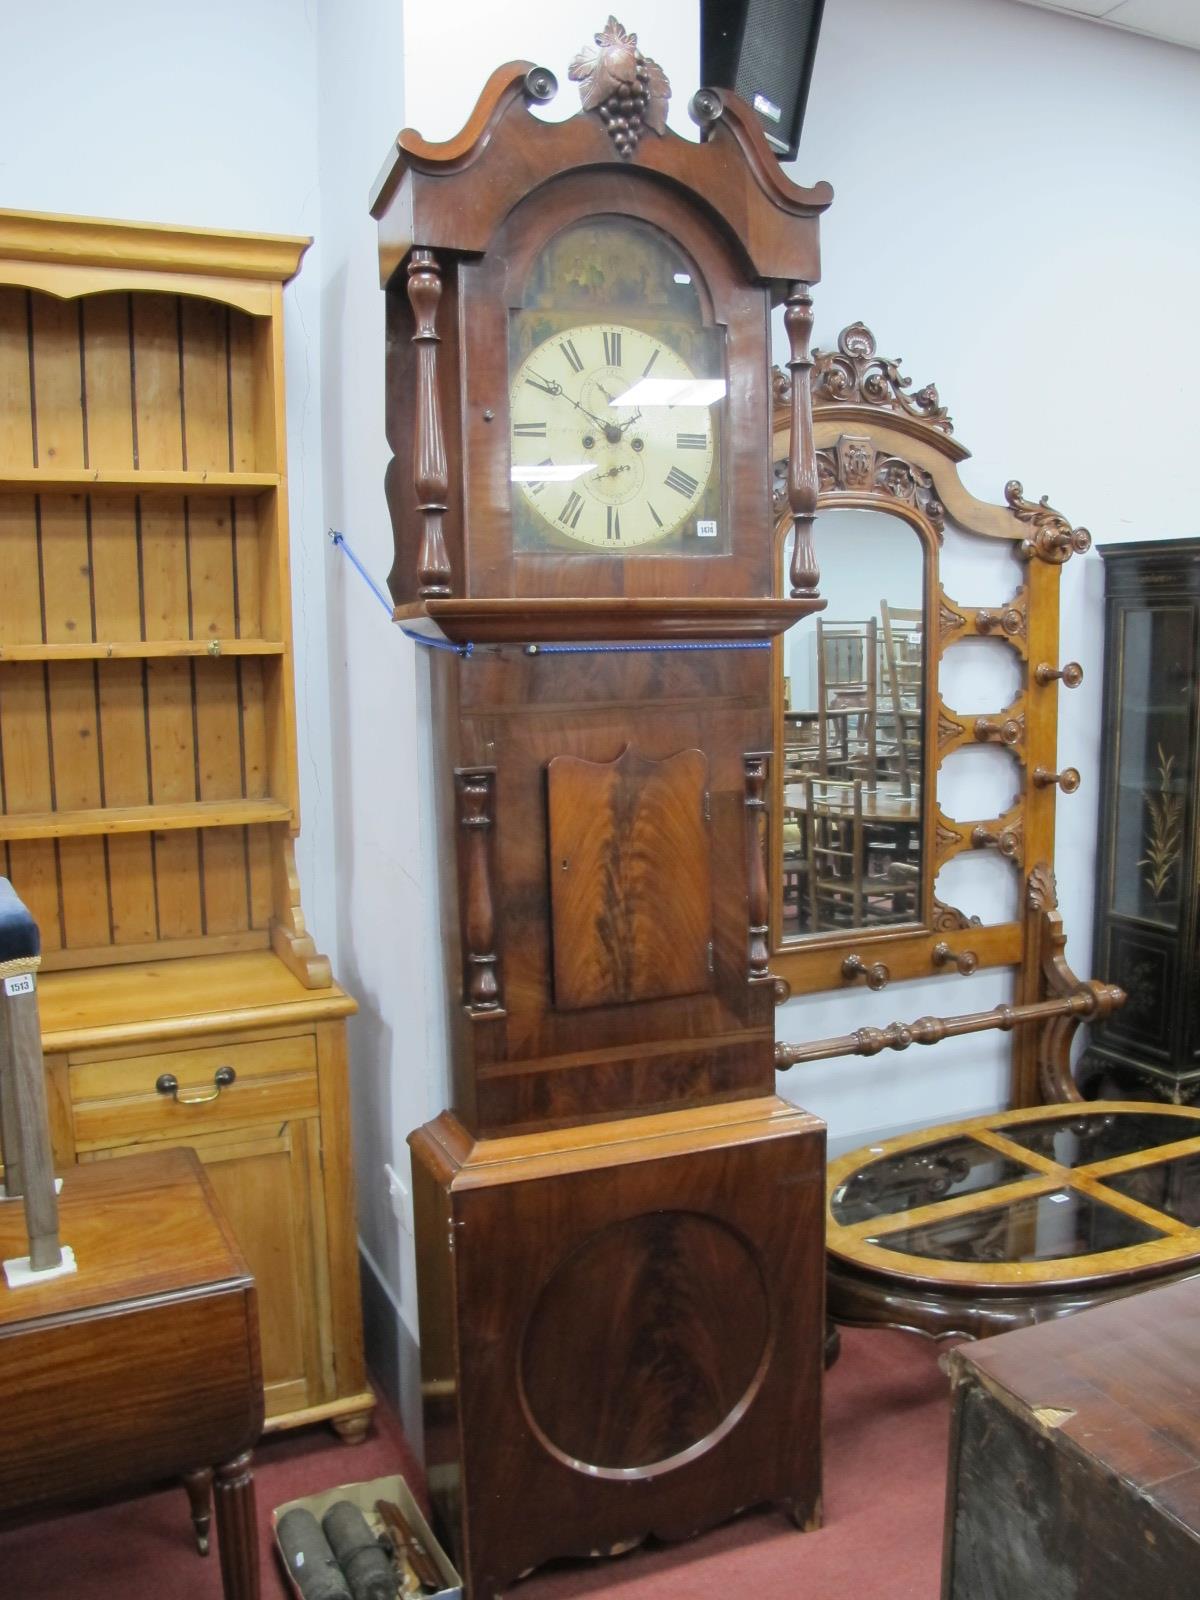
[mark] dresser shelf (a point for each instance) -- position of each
(116, 480)
(141, 819)
(141, 649)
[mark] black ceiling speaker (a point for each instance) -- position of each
(764, 51)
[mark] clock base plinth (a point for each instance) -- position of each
(615, 619)
(622, 1330)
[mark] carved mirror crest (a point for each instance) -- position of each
(914, 765)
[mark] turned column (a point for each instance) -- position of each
(804, 573)
(431, 478)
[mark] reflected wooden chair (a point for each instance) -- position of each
(854, 878)
(794, 870)
(800, 745)
(847, 699)
(901, 703)
(836, 852)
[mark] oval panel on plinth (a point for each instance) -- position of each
(646, 1345)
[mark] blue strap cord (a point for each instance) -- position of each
(340, 543)
(339, 540)
(636, 649)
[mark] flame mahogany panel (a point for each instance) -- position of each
(630, 878)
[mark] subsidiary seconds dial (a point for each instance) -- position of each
(612, 437)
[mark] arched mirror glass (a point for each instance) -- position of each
(853, 697)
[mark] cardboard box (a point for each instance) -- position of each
(364, 1496)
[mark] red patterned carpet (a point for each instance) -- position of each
(886, 1418)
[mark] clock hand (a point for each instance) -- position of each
(621, 426)
(592, 417)
(548, 385)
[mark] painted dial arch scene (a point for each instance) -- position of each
(616, 394)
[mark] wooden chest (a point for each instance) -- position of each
(1075, 1457)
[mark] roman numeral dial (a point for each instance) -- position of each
(613, 441)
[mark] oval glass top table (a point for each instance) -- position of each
(970, 1228)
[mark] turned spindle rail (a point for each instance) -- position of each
(1094, 1000)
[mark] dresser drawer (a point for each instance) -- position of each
(175, 1093)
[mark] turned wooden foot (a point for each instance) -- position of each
(237, 1534)
(199, 1492)
(352, 1429)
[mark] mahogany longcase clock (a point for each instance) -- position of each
(619, 1223)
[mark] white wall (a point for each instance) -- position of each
(1017, 215)
(384, 66)
(205, 116)
(378, 864)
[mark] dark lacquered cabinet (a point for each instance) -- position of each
(1147, 911)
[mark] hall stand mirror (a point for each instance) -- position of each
(915, 771)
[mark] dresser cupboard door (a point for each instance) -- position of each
(268, 1181)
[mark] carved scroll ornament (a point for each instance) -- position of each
(1053, 539)
(854, 465)
(949, 731)
(1091, 1001)
(854, 374)
(948, 919)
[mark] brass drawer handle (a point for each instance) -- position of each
(168, 1083)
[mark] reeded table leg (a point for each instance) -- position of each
(199, 1491)
(237, 1535)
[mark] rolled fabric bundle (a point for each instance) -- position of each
(366, 1564)
(309, 1559)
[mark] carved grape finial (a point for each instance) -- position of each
(626, 90)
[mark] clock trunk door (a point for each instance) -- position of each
(630, 879)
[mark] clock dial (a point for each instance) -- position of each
(612, 437)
